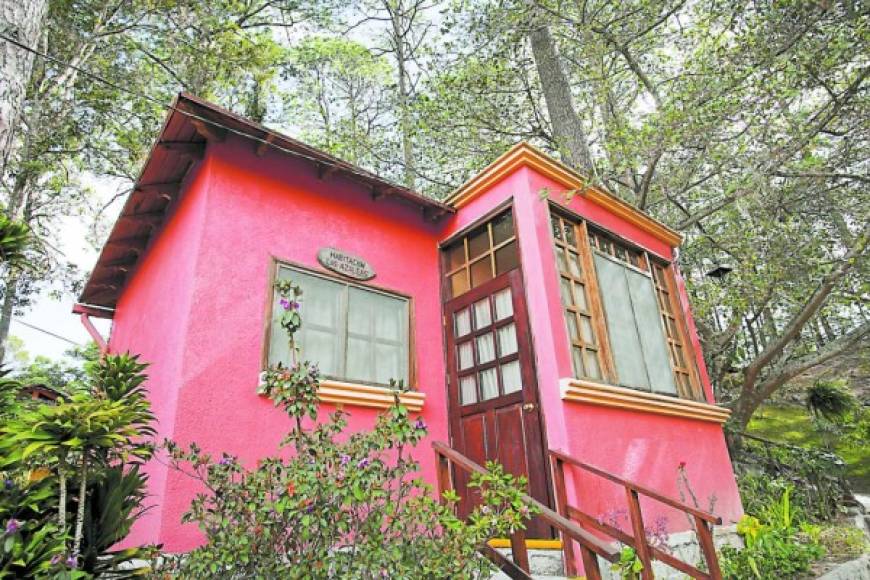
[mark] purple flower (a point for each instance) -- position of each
(344, 459)
(9, 484)
(56, 559)
(309, 509)
(420, 424)
(226, 460)
(12, 526)
(363, 463)
(72, 562)
(485, 509)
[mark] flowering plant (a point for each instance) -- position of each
(341, 505)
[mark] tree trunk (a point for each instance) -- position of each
(398, 26)
(21, 20)
(80, 515)
(6, 310)
(567, 128)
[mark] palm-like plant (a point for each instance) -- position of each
(103, 429)
(831, 400)
(14, 240)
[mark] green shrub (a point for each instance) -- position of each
(341, 506)
(774, 545)
(831, 400)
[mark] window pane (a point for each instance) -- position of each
(569, 234)
(459, 283)
(506, 258)
(586, 330)
(577, 357)
(574, 265)
(593, 370)
(462, 322)
(482, 316)
(466, 356)
(502, 228)
(504, 305)
(580, 296)
(359, 360)
(390, 318)
(478, 243)
(488, 384)
(456, 255)
(321, 347)
(390, 364)
(510, 377)
(652, 337)
(321, 300)
(507, 340)
(627, 350)
(359, 312)
(481, 271)
(560, 260)
(557, 227)
(567, 299)
(573, 331)
(485, 348)
(468, 390)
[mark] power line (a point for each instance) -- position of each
(48, 332)
(348, 168)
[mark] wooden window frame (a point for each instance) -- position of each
(463, 237)
(336, 382)
(598, 239)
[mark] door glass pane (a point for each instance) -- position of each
(390, 364)
(569, 234)
(456, 255)
(504, 305)
(561, 262)
(580, 296)
(506, 258)
(481, 271)
(462, 322)
(652, 337)
(507, 340)
(482, 316)
(502, 228)
(488, 384)
(627, 350)
(466, 356)
(478, 243)
(485, 348)
(468, 390)
(459, 283)
(510, 377)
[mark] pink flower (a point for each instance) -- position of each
(682, 465)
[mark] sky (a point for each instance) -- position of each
(55, 315)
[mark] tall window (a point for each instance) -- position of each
(353, 333)
(577, 298)
(481, 255)
(623, 324)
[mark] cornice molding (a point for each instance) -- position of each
(524, 155)
(580, 391)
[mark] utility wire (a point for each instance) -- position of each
(48, 332)
(348, 167)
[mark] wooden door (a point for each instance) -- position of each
(494, 412)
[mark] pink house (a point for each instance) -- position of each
(526, 312)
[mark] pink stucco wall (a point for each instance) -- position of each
(197, 304)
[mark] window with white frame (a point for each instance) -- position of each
(354, 333)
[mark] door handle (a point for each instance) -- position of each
(528, 407)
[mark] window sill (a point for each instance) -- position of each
(582, 391)
(341, 393)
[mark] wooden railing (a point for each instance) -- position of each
(518, 568)
(637, 539)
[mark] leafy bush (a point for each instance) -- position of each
(831, 400)
(72, 486)
(341, 506)
(774, 546)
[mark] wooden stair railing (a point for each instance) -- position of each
(518, 568)
(637, 539)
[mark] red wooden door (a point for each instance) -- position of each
(494, 412)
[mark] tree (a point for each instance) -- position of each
(20, 21)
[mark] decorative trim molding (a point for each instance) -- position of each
(531, 544)
(340, 393)
(523, 154)
(581, 391)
